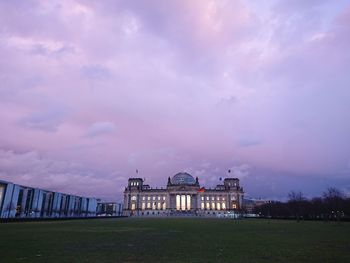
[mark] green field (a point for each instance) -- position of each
(174, 240)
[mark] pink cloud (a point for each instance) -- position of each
(168, 86)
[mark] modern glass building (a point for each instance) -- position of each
(18, 201)
(183, 195)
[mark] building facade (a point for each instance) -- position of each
(109, 209)
(18, 201)
(183, 195)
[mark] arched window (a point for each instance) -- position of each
(223, 206)
(208, 205)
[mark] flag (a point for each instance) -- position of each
(137, 171)
(201, 190)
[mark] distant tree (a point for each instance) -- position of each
(335, 202)
(297, 204)
(317, 208)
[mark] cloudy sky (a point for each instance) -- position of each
(90, 91)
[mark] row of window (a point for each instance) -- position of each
(144, 198)
(183, 203)
(134, 183)
(218, 198)
(215, 206)
(149, 205)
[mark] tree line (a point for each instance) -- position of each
(332, 205)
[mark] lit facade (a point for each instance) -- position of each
(183, 195)
(18, 201)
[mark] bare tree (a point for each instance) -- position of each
(296, 203)
(335, 202)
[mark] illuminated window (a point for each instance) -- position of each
(208, 205)
(218, 206)
(223, 199)
(143, 198)
(133, 206)
(143, 205)
(207, 197)
(148, 205)
(213, 198)
(234, 206)
(159, 206)
(202, 198)
(133, 198)
(148, 198)
(218, 198)
(163, 197)
(154, 205)
(223, 206)
(188, 202)
(158, 197)
(178, 202)
(213, 206)
(233, 197)
(202, 205)
(164, 205)
(154, 198)
(183, 202)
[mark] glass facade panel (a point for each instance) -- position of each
(2, 193)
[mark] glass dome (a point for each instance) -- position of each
(183, 179)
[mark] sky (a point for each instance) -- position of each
(92, 90)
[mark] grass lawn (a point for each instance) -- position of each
(174, 240)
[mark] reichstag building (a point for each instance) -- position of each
(183, 195)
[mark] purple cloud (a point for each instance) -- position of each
(167, 87)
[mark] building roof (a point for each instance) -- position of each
(183, 179)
